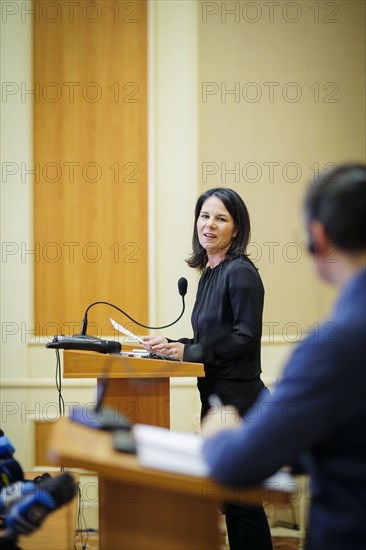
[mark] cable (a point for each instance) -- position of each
(61, 402)
(82, 525)
(85, 319)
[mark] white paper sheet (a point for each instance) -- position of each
(125, 331)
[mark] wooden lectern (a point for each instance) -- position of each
(146, 509)
(137, 387)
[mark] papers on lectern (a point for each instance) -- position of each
(168, 450)
(180, 452)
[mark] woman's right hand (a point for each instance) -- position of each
(151, 342)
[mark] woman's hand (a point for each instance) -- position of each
(151, 341)
(175, 349)
(159, 344)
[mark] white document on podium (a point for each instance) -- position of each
(180, 452)
(169, 450)
(125, 331)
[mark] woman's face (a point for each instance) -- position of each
(215, 227)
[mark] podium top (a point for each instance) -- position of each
(82, 447)
(88, 364)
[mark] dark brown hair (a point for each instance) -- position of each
(338, 200)
(238, 211)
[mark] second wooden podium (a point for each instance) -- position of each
(146, 509)
(136, 387)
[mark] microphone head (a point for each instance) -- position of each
(62, 488)
(111, 346)
(182, 286)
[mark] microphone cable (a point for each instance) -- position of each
(61, 402)
(81, 523)
(182, 289)
(85, 320)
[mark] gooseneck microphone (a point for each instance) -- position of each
(182, 289)
(84, 342)
(90, 343)
(182, 286)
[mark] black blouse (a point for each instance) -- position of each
(227, 321)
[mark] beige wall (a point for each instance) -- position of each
(282, 93)
(173, 156)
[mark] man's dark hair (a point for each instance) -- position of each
(238, 211)
(338, 200)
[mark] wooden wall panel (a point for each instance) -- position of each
(90, 154)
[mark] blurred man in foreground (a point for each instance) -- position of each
(315, 418)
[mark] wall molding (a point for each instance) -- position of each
(41, 383)
(84, 383)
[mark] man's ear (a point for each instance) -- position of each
(318, 239)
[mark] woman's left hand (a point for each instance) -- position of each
(175, 349)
